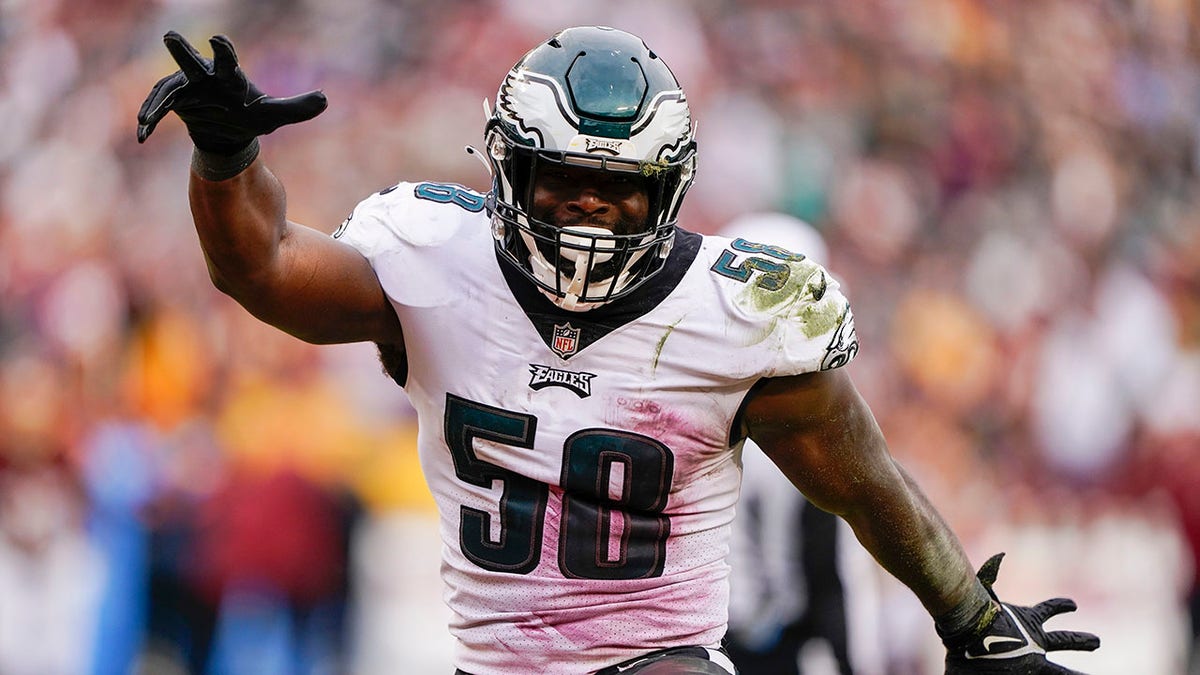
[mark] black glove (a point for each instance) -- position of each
(1013, 641)
(223, 110)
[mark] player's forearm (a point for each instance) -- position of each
(907, 536)
(240, 221)
(835, 452)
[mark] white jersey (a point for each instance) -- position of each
(582, 462)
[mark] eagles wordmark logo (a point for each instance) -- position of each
(545, 376)
(607, 145)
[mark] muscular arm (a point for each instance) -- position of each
(290, 276)
(819, 431)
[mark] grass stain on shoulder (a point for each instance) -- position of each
(801, 299)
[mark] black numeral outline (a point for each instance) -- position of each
(588, 510)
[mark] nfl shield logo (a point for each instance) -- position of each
(566, 340)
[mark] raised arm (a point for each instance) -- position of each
(288, 275)
(293, 277)
(822, 435)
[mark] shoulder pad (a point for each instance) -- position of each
(795, 300)
(413, 214)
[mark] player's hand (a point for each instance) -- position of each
(223, 111)
(1014, 641)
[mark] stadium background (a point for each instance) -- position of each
(1008, 190)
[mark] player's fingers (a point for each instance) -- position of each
(225, 60)
(158, 103)
(193, 65)
(1053, 607)
(295, 108)
(1071, 640)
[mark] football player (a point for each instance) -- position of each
(584, 370)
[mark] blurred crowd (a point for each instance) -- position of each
(1008, 191)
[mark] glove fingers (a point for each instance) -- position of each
(1071, 640)
(225, 61)
(158, 103)
(1053, 607)
(283, 111)
(158, 93)
(193, 65)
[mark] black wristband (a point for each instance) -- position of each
(212, 166)
(958, 626)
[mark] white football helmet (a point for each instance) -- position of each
(598, 98)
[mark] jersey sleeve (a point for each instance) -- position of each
(400, 230)
(396, 218)
(794, 310)
(365, 228)
(817, 333)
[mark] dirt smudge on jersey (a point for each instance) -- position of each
(662, 342)
(696, 435)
